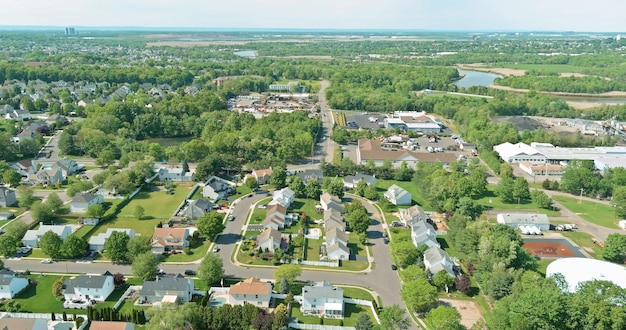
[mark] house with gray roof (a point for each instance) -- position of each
(82, 201)
(329, 201)
(11, 284)
(269, 239)
(174, 289)
(197, 208)
(322, 299)
(437, 260)
(98, 242)
(7, 197)
(88, 287)
(31, 238)
(351, 181)
(311, 174)
(216, 188)
(337, 251)
(397, 195)
(336, 235)
(423, 233)
(411, 215)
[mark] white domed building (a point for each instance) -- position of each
(578, 270)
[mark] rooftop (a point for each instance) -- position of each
(251, 286)
(578, 270)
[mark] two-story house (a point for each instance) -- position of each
(283, 197)
(11, 284)
(423, 233)
(262, 176)
(82, 201)
(437, 260)
(174, 289)
(89, 287)
(269, 239)
(397, 195)
(411, 215)
(7, 197)
(323, 300)
(170, 239)
(31, 238)
(250, 291)
(329, 201)
(351, 181)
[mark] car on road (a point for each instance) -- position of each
(386, 240)
(46, 261)
(190, 272)
(216, 249)
(394, 267)
(231, 217)
(160, 271)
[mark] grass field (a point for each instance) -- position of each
(599, 214)
(307, 206)
(351, 313)
(416, 194)
(157, 204)
(356, 293)
(491, 201)
(585, 241)
(447, 246)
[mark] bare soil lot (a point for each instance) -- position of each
(468, 310)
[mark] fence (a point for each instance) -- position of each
(318, 327)
(126, 295)
(365, 303)
(317, 263)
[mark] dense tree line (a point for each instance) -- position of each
(587, 84)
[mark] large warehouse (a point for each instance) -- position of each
(578, 270)
(524, 219)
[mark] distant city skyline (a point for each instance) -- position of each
(447, 15)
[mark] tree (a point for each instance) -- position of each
(42, 212)
(145, 266)
(504, 190)
(288, 271)
(506, 171)
(12, 177)
(251, 182)
(463, 284)
(95, 211)
(211, 269)
(469, 208)
(359, 221)
(54, 202)
(419, 295)
(105, 158)
(405, 252)
(50, 244)
(283, 286)
(393, 318)
(615, 248)
(444, 318)
(281, 315)
(138, 212)
(278, 178)
(541, 199)
(26, 197)
(116, 246)
(8, 245)
(298, 187)
(57, 286)
(137, 245)
(263, 321)
(359, 190)
(363, 322)
(211, 224)
(411, 273)
(443, 280)
(371, 193)
(619, 200)
(520, 190)
(118, 279)
(185, 167)
(313, 189)
(73, 247)
(335, 187)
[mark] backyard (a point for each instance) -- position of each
(489, 201)
(597, 213)
(157, 204)
(416, 194)
(351, 313)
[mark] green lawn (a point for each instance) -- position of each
(356, 293)
(307, 206)
(597, 213)
(38, 298)
(447, 246)
(313, 249)
(157, 204)
(542, 264)
(15, 210)
(198, 251)
(416, 194)
(585, 241)
(490, 201)
(355, 245)
(241, 190)
(351, 313)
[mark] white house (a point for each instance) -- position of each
(174, 289)
(82, 201)
(269, 239)
(173, 174)
(216, 188)
(283, 197)
(398, 196)
(170, 239)
(436, 260)
(329, 201)
(422, 233)
(97, 242)
(89, 287)
(515, 220)
(336, 235)
(351, 181)
(11, 284)
(519, 152)
(323, 300)
(250, 291)
(337, 251)
(31, 238)
(412, 214)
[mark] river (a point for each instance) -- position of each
(476, 78)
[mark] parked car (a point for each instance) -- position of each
(386, 240)
(394, 267)
(190, 272)
(262, 206)
(216, 249)
(231, 217)
(46, 261)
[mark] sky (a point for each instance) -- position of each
(495, 15)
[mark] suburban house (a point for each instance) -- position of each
(423, 233)
(169, 239)
(274, 222)
(337, 251)
(250, 291)
(276, 217)
(174, 289)
(197, 208)
(47, 176)
(111, 325)
(398, 196)
(269, 239)
(97, 242)
(336, 235)
(311, 174)
(68, 166)
(82, 201)
(436, 260)
(9, 323)
(11, 284)
(25, 167)
(216, 188)
(323, 300)
(7, 197)
(262, 176)
(177, 174)
(89, 287)
(283, 197)
(333, 219)
(18, 115)
(411, 215)
(351, 181)
(516, 220)
(329, 201)
(31, 238)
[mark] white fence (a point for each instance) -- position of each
(365, 303)
(126, 295)
(318, 327)
(317, 263)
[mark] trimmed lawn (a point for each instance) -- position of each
(197, 251)
(356, 293)
(584, 241)
(351, 313)
(542, 264)
(489, 201)
(416, 194)
(355, 245)
(143, 227)
(350, 265)
(38, 298)
(307, 206)
(241, 190)
(313, 249)
(157, 204)
(258, 215)
(447, 246)
(597, 213)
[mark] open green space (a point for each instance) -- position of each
(416, 194)
(355, 245)
(542, 265)
(584, 240)
(38, 298)
(307, 206)
(542, 67)
(447, 246)
(489, 201)
(197, 250)
(241, 191)
(157, 204)
(356, 293)
(597, 213)
(351, 313)
(313, 249)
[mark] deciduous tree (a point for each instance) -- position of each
(313, 189)
(394, 318)
(73, 247)
(8, 245)
(137, 245)
(116, 246)
(50, 244)
(278, 178)
(298, 187)
(288, 271)
(615, 248)
(211, 269)
(145, 266)
(211, 224)
(419, 295)
(444, 318)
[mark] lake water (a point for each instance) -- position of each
(246, 53)
(476, 78)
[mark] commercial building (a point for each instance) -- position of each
(515, 220)
(578, 270)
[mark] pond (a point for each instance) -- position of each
(476, 78)
(247, 53)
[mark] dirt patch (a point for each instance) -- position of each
(572, 74)
(520, 122)
(501, 71)
(469, 311)
(548, 249)
(585, 105)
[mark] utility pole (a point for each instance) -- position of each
(580, 199)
